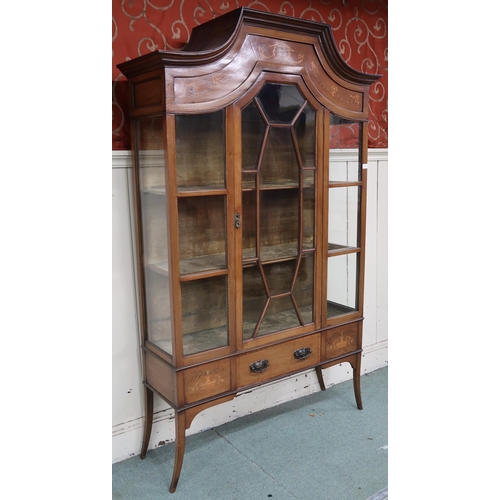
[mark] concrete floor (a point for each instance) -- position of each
(319, 447)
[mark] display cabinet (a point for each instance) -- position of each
(250, 240)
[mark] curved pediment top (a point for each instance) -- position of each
(218, 35)
(212, 40)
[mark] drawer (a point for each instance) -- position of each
(270, 362)
(207, 380)
(342, 340)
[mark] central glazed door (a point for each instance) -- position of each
(277, 221)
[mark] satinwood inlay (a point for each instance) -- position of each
(334, 90)
(341, 340)
(281, 52)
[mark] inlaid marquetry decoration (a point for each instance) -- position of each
(281, 52)
(341, 341)
(352, 99)
(191, 88)
(208, 380)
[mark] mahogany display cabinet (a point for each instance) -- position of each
(250, 241)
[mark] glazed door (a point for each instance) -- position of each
(151, 194)
(277, 220)
(201, 192)
(344, 231)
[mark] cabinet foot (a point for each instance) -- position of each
(321, 380)
(148, 420)
(180, 442)
(356, 367)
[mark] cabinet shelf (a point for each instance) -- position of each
(275, 186)
(193, 265)
(203, 263)
(201, 191)
(205, 340)
(214, 262)
(278, 321)
(154, 190)
(159, 267)
(273, 254)
(334, 184)
(213, 338)
(334, 249)
(335, 309)
(188, 191)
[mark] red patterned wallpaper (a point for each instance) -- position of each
(359, 28)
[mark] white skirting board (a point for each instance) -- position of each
(127, 378)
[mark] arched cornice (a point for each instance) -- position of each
(226, 54)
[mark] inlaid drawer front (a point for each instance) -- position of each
(269, 362)
(341, 340)
(207, 380)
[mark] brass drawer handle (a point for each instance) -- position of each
(259, 366)
(302, 353)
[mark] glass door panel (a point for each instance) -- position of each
(344, 217)
(253, 128)
(249, 211)
(279, 276)
(280, 164)
(255, 298)
(344, 135)
(308, 209)
(342, 282)
(151, 166)
(204, 314)
(305, 132)
(202, 230)
(202, 233)
(200, 151)
(280, 315)
(303, 289)
(279, 200)
(279, 224)
(280, 103)
(248, 181)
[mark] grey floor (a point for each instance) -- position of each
(319, 447)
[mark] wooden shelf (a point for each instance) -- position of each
(154, 190)
(193, 265)
(334, 249)
(198, 341)
(201, 190)
(205, 340)
(268, 255)
(275, 253)
(279, 252)
(203, 263)
(188, 191)
(274, 187)
(335, 309)
(159, 267)
(276, 322)
(213, 338)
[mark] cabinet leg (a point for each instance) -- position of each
(180, 442)
(356, 367)
(321, 380)
(148, 420)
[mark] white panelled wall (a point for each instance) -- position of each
(127, 378)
